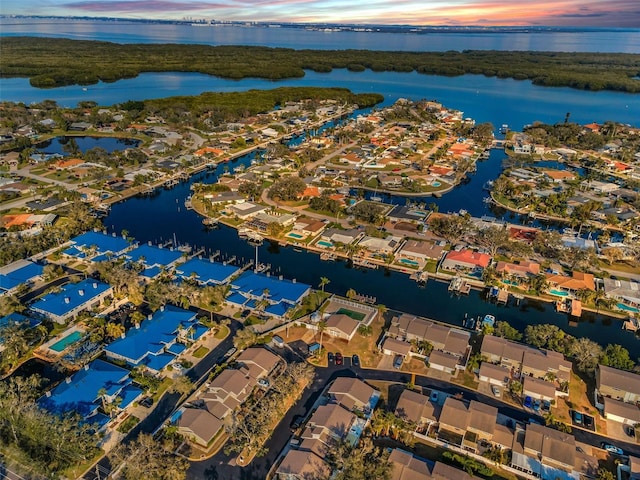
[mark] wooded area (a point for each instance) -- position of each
(55, 62)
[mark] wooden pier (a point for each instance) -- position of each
(460, 286)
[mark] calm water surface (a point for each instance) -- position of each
(63, 145)
(596, 40)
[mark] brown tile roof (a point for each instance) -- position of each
(199, 422)
(503, 436)
(347, 389)
(454, 413)
(405, 466)
(546, 362)
(618, 379)
(622, 409)
(539, 387)
(577, 281)
(233, 382)
(552, 444)
(495, 372)
(414, 407)
(343, 323)
(457, 343)
(482, 417)
(332, 418)
(396, 346)
(261, 357)
(442, 471)
(304, 464)
(443, 359)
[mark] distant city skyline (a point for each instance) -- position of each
(596, 13)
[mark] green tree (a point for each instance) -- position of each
(146, 458)
(323, 282)
(617, 356)
(505, 330)
(586, 354)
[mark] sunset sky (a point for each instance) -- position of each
(603, 13)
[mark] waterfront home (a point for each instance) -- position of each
(154, 260)
(618, 384)
(625, 291)
(154, 343)
(353, 394)
(559, 176)
(406, 213)
(245, 210)
(601, 187)
(206, 272)
(20, 272)
(524, 269)
(444, 362)
(443, 338)
(262, 220)
(336, 235)
(72, 299)
(389, 181)
(574, 241)
(418, 409)
(577, 281)
(546, 364)
(506, 353)
(380, 246)
(544, 453)
(308, 227)
(97, 246)
(220, 198)
(83, 392)
(198, 425)
(465, 259)
(421, 251)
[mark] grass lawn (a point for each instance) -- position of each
(467, 379)
(620, 267)
(77, 470)
(200, 352)
(129, 422)
(166, 383)
(222, 332)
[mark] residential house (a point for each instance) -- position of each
(198, 425)
(72, 299)
(494, 374)
(444, 362)
(524, 269)
(621, 412)
(465, 259)
(391, 346)
(577, 281)
(342, 326)
(353, 394)
(625, 291)
(206, 272)
(618, 384)
(382, 246)
(309, 227)
(332, 420)
(559, 176)
(335, 235)
(539, 389)
(406, 466)
(547, 365)
(418, 409)
(418, 250)
(442, 338)
(246, 210)
(303, 465)
(467, 425)
(544, 452)
(20, 272)
(228, 391)
(259, 362)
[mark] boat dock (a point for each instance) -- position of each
(364, 263)
(459, 285)
(631, 324)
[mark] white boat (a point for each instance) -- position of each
(489, 320)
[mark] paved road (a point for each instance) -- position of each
(168, 403)
(222, 467)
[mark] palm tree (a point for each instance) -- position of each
(324, 281)
(322, 326)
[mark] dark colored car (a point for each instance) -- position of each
(397, 362)
(577, 418)
(629, 430)
(331, 358)
(588, 421)
(338, 358)
(297, 421)
(528, 402)
(146, 402)
(355, 360)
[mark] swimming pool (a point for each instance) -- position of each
(322, 243)
(295, 235)
(627, 308)
(63, 343)
(436, 184)
(510, 282)
(406, 261)
(558, 293)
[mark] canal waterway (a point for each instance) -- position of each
(160, 217)
(66, 145)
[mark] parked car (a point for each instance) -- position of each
(230, 352)
(434, 396)
(629, 430)
(338, 358)
(331, 358)
(536, 405)
(528, 402)
(355, 360)
(146, 402)
(496, 391)
(297, 421)
(263, 382)
(577, 418)
(397, 362)
(588, 421)
(546, 405)
(611, 448)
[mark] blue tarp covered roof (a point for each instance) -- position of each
(237, 299)
(81, 393)
(77, 294)
(153, 256)
(102, 242)
(206, 271)
(158, 362)
(162, 328)
(255, 284)
(20, 275)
